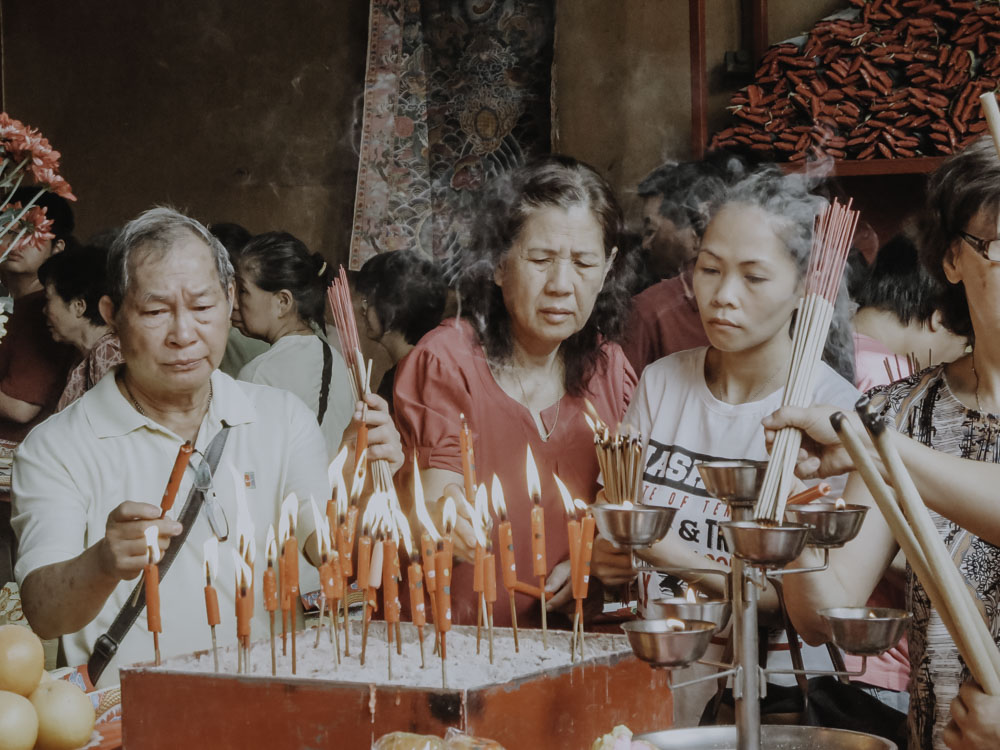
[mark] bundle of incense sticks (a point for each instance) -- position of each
(620, 458)
(339, 295)
(832, 238)
(920, 541)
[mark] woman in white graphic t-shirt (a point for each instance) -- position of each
(707, 403)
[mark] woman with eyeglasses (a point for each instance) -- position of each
(544, 297)
(953, 408)
(281, 299)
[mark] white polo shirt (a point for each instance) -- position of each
(81, 463)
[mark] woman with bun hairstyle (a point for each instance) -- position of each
(280, 299)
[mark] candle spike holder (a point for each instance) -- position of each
(758, 551)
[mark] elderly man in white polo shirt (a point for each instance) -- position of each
(88, 481)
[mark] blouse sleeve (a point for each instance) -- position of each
(428, 396)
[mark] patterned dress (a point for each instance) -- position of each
(103, 355)
(924, 408)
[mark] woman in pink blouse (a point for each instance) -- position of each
(543, 300)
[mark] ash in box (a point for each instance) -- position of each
(466, 669)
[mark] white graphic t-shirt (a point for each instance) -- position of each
(683, 425)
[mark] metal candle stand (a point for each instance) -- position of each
(759, 552)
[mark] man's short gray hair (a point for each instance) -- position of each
(155, 231)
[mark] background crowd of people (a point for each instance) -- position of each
(166, 330)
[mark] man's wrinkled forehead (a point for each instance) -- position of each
(162, 251)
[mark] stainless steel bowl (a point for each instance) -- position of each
(715, 611)
(733, 482)
(865, 631)
(655, 642)
(638, 526)
(832, 526)
(763, 545)
(773, 737)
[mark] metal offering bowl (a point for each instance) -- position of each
(733, 482)
(655, 642)
(832, 527)
(865, 631)
(715, 611)
(638, 526)
(763, 545)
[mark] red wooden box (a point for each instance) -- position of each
(568, 707)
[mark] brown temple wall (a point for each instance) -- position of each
(237, 110)
(623, 87)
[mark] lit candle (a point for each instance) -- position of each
(573, 532)
(468, 459)
(152, 578)
(414, 580)
(390, 592)
(335, 475)
(490, 593)
(271, 587)
(244, 611)
(211, 550)
(289, 568)
(443, 561)
(428, 540)
(478, 576)
(370, 561)
(508, 566)
(581, 584)
(176, 476)
(539, 566)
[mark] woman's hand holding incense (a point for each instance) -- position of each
(123, 548)
(975, 720)
(821, 454)
(383, 438)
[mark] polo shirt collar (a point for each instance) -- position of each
(111, 415)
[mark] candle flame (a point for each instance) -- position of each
(580, 505)
(402, 526)
(372, 518)
(534, 483)
(211, 550)
(691, 595)
(449, 514)
(283, 530)
(478, 526)
(152, 544)
(271, 546)
(243, 573)
(250, 553)
(496, 495)
(674, 625)
(290, 510)
(322, 531)
(360, 475)
(335, 473)
(590, 423)
(567, 499)
(841, 504)
(420, 505)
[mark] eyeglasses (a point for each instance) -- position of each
(213, 509)
(989, 249)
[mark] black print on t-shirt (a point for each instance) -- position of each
(676, 467)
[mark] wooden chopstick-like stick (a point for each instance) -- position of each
(955, 597)
(981, 666)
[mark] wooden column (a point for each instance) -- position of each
(699, 79)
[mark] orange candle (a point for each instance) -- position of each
(442, 564)
(212, 605)
(390, 584)
(468, 460)
(572, 532)
(415, 576)
(587, 531)
(152, 578)
(270, 588)
(364, 559)
(538, 562)
(176, 475)
(490, 588)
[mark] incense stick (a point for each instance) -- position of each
(619, 457)
(832, 237)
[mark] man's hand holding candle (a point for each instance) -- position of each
(123, 548)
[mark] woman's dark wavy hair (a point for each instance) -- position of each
(548, 181)
(278, 260)
(965, 183)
